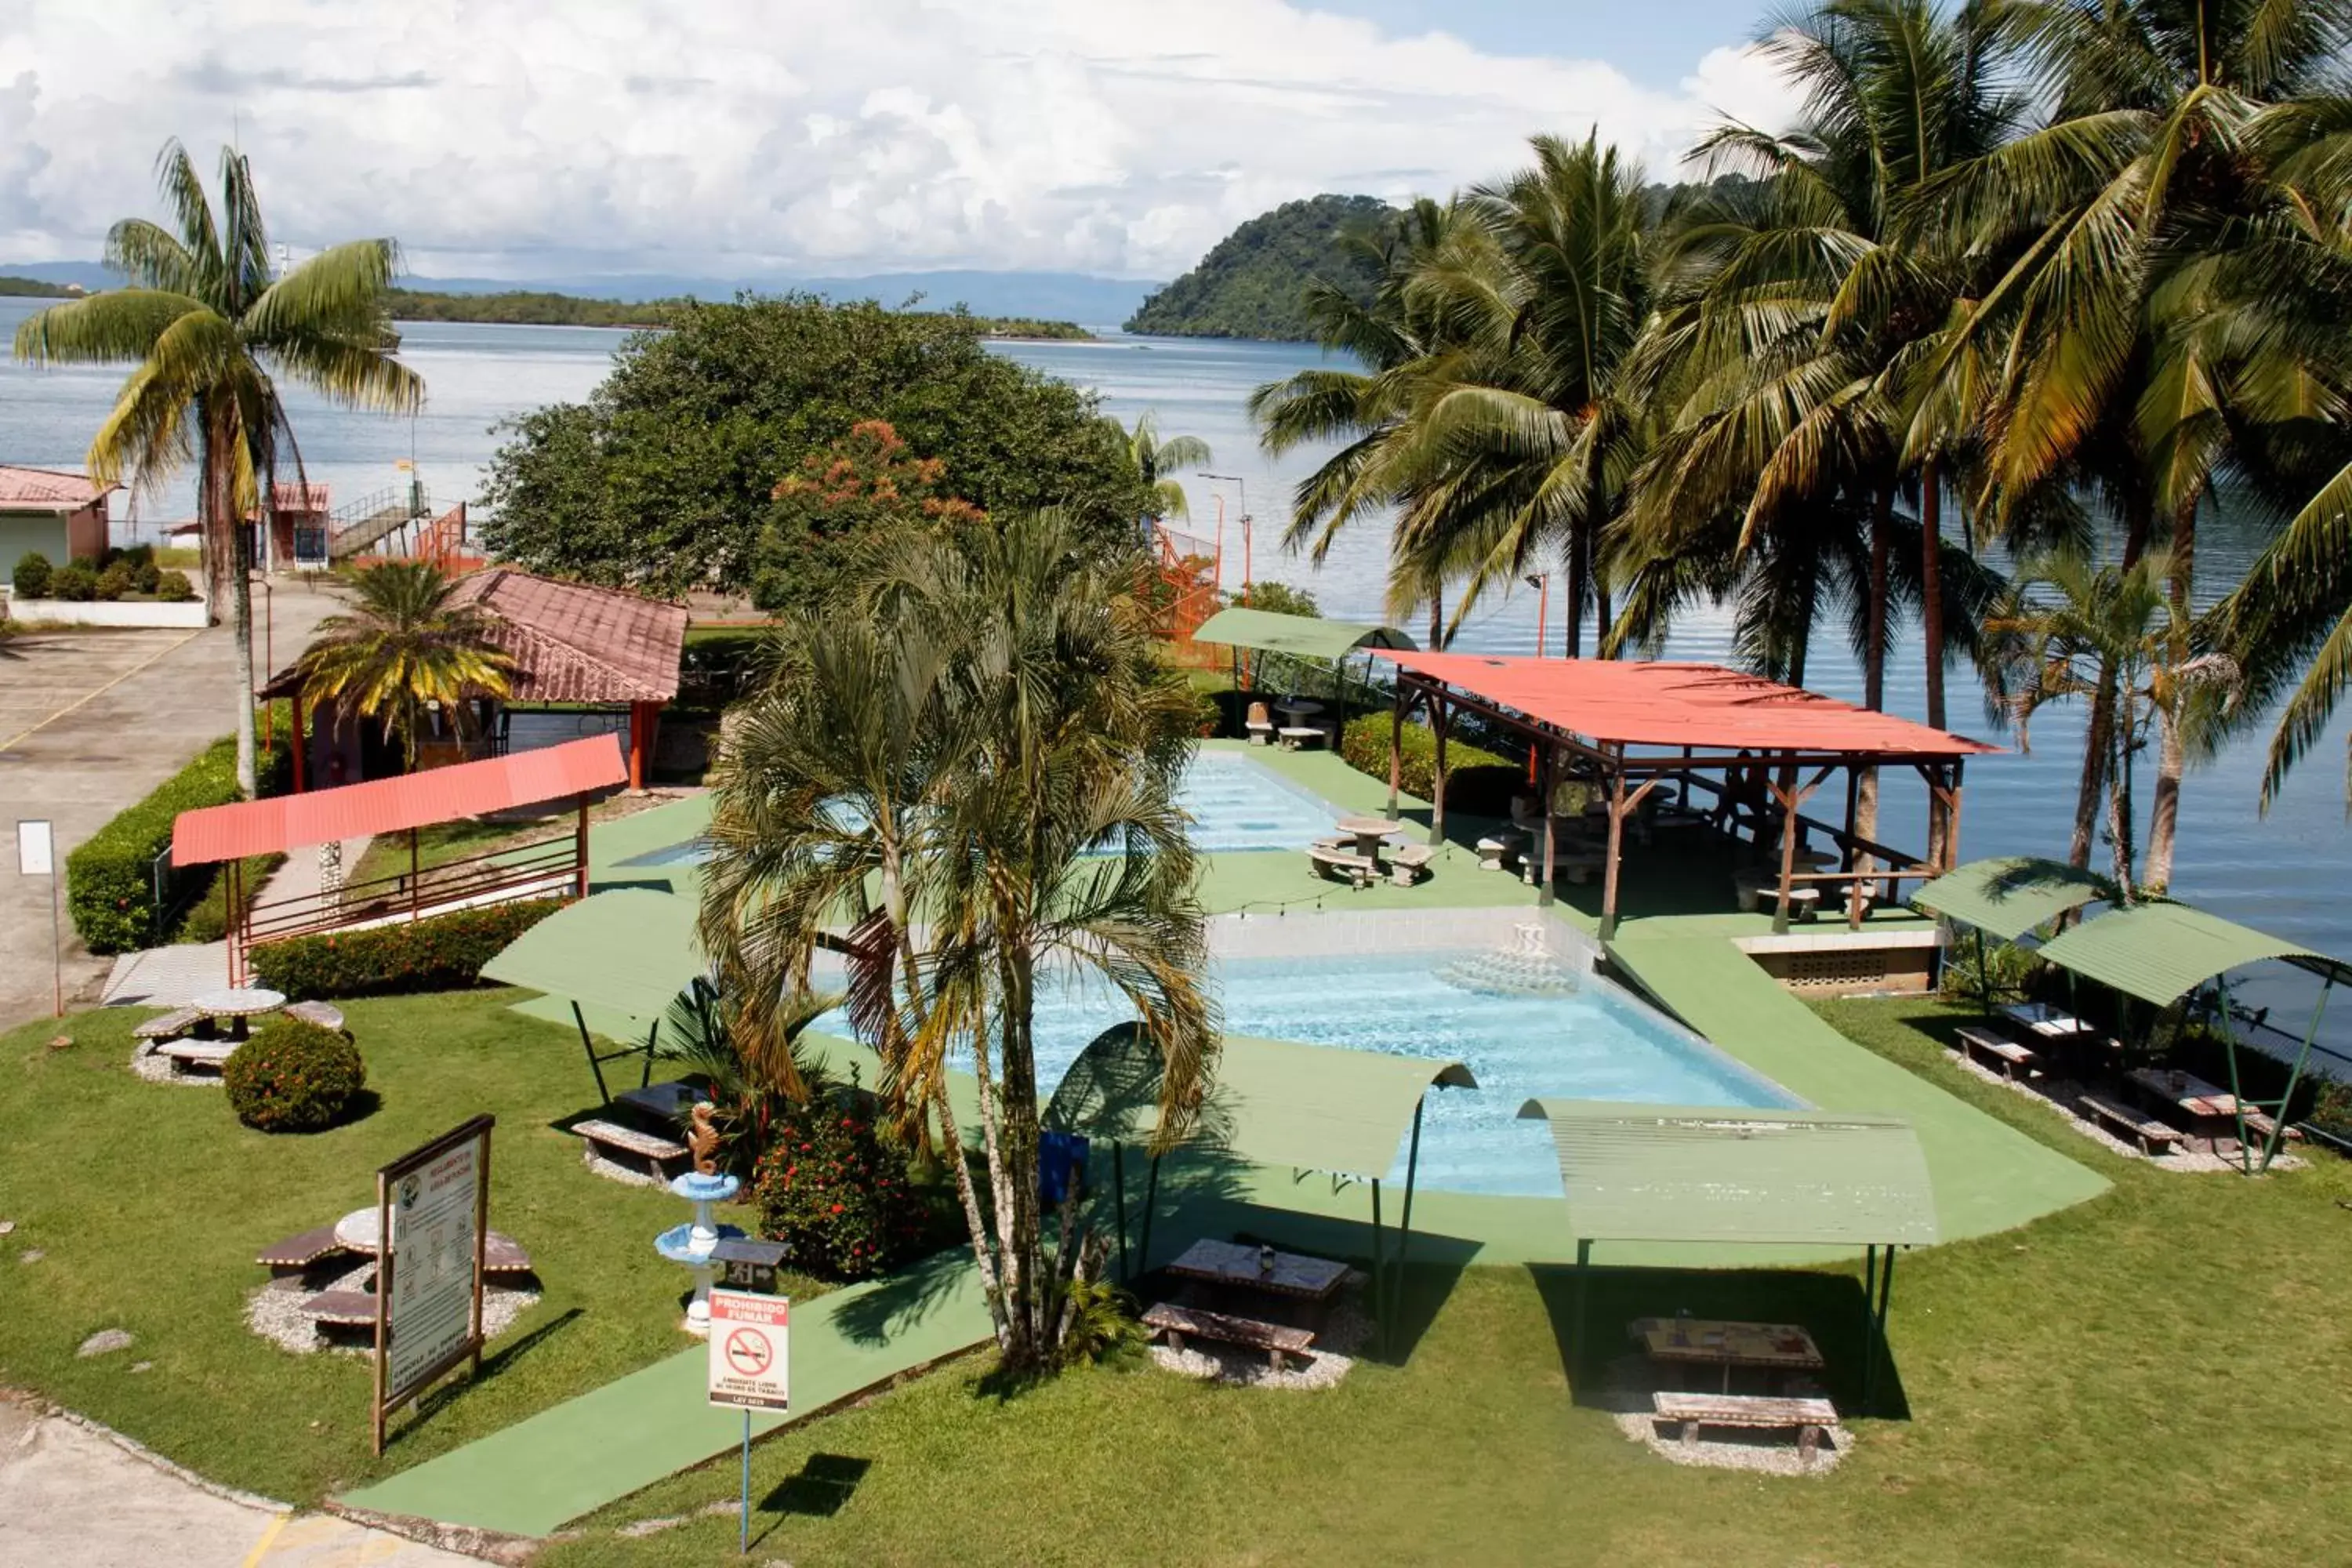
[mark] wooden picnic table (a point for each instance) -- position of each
(1231, 1264)
(1707, 1341)
(2212, 1113)
(2050, 1023)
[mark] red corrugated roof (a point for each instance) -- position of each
(1654, 703)
(46, 489)
(392, 806)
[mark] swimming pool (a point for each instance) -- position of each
(1235, 805)
(1596, 1043)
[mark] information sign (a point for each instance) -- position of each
(433, 1213)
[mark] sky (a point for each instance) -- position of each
(807, 137)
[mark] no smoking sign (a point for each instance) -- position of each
(750, 1340)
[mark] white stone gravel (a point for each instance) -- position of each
(2060, 1095)
(1344, 1335)
(156, 1068)
(275, 1310)
(1631, 1380)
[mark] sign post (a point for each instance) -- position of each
(37, 856)
(750, 1359)
(432, 1221)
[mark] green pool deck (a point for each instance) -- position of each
(573, 1459)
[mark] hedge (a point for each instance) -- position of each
(1476, 779)
(109, 878)
(440, 953)
(292, 1077)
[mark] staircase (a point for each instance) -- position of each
(363, 524)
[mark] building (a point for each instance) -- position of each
(50, 512)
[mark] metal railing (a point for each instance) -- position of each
(493, 877)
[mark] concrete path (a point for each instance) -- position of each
(74, 1494)
(166, 976)
(90, 722)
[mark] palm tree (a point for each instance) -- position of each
(2149, 162)
(1006, 745)
(408, 643)
(1158, 460)
(208, 326)
(2067, 631)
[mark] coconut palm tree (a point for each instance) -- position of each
(1020, 820)
(209, 327)
(405, 644)
(1156, 461)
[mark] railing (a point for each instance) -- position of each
(364, 523)
(499, 875)
(1189, 569)
(1897, 867)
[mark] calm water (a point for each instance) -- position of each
(2283, 873)
(1236, 804)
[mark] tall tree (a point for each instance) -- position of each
(1017, 816)
(1156, 462)
(210, 327)
(406, 643)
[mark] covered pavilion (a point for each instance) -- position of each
(577, 771)
(1308, 637)
(2007, 897)
(1627, 726)
(573, 645)
(1305, 1107)
(1704, 1174)
(2160, 952)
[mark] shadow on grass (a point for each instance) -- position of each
(495, 1363)
(821, 1488)
(1828, 1306)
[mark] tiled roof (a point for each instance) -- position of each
(46, 489)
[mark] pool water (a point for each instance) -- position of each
(1599, 1043)
(1236, 803)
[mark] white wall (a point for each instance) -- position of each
(98, 612)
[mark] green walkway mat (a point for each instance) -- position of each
(531, 1478)
(1988, 1176)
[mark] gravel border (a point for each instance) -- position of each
(274, 1311)
(156, 1068)
(2060, 1095)
(1341, 1342)
(1626, 1388)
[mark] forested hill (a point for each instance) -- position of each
(1251, 284)
(545, 307)
(35, 288)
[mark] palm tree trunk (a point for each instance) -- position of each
(1874, 659)
(2098, 735)
(2171, 756)
(1931, 584)
(1572, 635)
(229, 576)
(1437, 617)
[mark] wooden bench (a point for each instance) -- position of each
(341, 1308)
(187, 1053)
(1274, 1339)
(325, 1014)
(303, 1250)
(168, 1026)
(2010, 1058)
(1808, 1417)
(1300, 737)
(1357, 871)
(1407, 863)
(2153, 1137)
(2263, 1124)
(652, 1148)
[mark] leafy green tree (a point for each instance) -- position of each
(1156, 461)
(665, 477)
(970, 760)
(866, 484)
(407, 642)
(209, 327)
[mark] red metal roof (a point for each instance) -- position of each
(46, 489)
(392, 806)
(1652, 703)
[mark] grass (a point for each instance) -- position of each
(2154, 1376)
(206, 920)
(148, 1203)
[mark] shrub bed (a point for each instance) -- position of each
(110, 880)
(442, 953)
(842, 1197)
(292, 1077)
(1476, 779)
(33, 576)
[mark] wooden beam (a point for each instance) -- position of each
(1396, 749)
(1543, 872)
(579, 852)
(301, 761)
(1438, 723)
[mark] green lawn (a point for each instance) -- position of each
(2154, 1376)
(148, 1203)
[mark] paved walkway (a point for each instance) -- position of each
(538, 1474)
(90, 722)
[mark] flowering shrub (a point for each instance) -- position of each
(440, 953)
(832, 1188)
(292, 1077)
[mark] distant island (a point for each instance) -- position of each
(538, 308)
(1252, 283)
(34, 288)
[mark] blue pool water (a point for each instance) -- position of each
(1597, 1044)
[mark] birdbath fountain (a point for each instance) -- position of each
(691, 1244)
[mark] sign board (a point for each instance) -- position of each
(745, 1264)
(36, 854)
(433, 1211)
(749, 1350)
(309, 547)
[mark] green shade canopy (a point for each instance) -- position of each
(1308, 637)
(1315, 1108)
(2009, 896)
(628, 952)
(1672, 1172)
(2159, 952)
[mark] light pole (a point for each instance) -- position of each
(1541, 583)
(1243, 487)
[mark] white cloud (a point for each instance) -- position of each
(1114, 136)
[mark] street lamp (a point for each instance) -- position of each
(1541, 583)
(1243, 487)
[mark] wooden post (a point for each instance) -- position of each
(1396, 746)
(1785, 791)
(300, 745)
(1439, 719)
(643, 718)
(579, 852)
(1952, 822)
(415, 891)
(1616, 847)
(1544, 867)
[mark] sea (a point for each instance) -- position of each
(2284, 872)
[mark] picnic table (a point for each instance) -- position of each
(1231, 1264)
(1298, 709)
(237, 1004)
(2211, 1112)
(1706, 1341)
(2050, 1023)
(671, 1101)
(1369, 832)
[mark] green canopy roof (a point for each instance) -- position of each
(1671, 1172)
(2159, 952)
(1315, 1108)
(1308, 637)
(2009, 896)
(628, 952)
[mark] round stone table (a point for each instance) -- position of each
(237, 1004)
